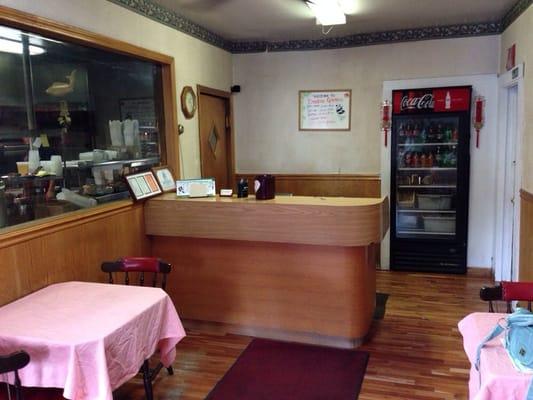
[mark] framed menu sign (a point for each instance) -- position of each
(164, 178)
(143, 185)
(324, 110)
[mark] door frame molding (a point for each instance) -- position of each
(230, 134)
(507, 80)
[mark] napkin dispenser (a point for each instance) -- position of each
(265, 187)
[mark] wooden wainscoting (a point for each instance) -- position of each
(322, 184)
(526, 236)
(69, 247)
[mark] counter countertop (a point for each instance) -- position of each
(280, 200)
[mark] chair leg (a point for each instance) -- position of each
(170, 370)
(147, 380)
(18, 394)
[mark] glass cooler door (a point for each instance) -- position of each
(426, 176)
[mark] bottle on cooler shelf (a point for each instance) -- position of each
(452, 157)
(438, 158)
(431, 137)
(416, 160)
(440, 133)
(423, 135)
(448, 134)
(455, 134)
(408, 159)
(416, 133)
(401, 158)
(423, 160)
(401, 133)
(431, 160)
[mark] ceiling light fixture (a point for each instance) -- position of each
(327, 12)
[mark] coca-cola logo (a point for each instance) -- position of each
(413, 103)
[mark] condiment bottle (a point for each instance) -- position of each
(242, 188)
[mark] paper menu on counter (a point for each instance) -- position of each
(183, 187)
(143, 185)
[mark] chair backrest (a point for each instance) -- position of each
(155, 267)
(12, 363)
(508, 292)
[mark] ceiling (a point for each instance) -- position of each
(281, 20)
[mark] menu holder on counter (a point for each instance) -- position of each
(143, 185)
(164, 178)
(195, 188)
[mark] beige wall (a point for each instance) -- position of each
(267, 133)
(196, 61)
(266, 110)
(521, 33)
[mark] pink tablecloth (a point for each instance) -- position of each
(497, 378)
(89, 338)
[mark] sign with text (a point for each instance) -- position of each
(324, 110)
(143, 185)
(420, 101)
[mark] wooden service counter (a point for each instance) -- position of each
(294, 268)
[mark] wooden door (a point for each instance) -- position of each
(215, 138)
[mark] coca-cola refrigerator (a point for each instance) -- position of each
(430, 159)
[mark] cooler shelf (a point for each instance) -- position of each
(424, 233)
(427, 169)
(426, 211)
(427, 144)
(427, 186)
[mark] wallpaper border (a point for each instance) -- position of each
(162, 15)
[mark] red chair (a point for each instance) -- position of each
(135, 269)
(508, 292)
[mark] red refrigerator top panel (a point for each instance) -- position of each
(417, 101)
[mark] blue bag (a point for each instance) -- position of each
(518, 341)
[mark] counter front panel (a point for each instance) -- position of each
(292, 268)
(332, 221)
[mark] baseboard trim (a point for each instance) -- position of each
(221, 328)
(480, 272)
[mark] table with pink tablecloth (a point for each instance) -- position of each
(89, 338)
(497, 378)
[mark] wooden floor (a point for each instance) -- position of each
(415, 351)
